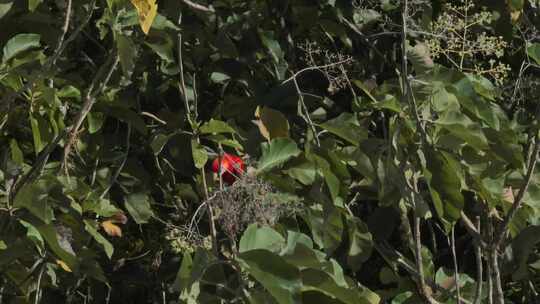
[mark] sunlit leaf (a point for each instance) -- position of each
(147, 11)
(111, 229)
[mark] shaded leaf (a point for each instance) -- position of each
(91, 228)
(272, 123)
(347, 127)
(444, 185)
(19, 44)
(280, 278)
(534, 52)
(138, 206)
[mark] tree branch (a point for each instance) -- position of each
(89, 101)
(500, 234)
(199, 7)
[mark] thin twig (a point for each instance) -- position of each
(489, 264)
(38, 287)
(454, 260)
(500, 234)
(122, 164)
(199, 7)
(479, 270)
(190, 116)
(316, 68)
(472, 229)
(89, 101)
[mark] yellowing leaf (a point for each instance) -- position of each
(63, 265)
(111, 229)
(508, 195)
(272, 124)
(147, 10)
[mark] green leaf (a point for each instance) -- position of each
(200, 157)
(91, 228)
(35, 198)
(40, 132)
(95, 121)
(347, 127)
(127, 53)
(463, 127)
(5, 6)
(321, 281)
(16, 153)
(19, 44)
(267, 38)
(33, 4)
(277, 152)
(215, 127)
(261, 238)
(51, 236)
(138, 206)
(184, 273)
(33, 234)
(272, 123)
(444, 185)
(361, 243)
(3, 245)
(280, 278)
(304, 172)
(534, 52)
(158, 142)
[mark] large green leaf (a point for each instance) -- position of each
(200, 157)
(321, 281)
(361, 243)
(91, 228)
(215, 127)
(277, 152)
(261, 238)
(127, 53)
(444, 185)
(280, 278)
(5, 6)
(19, 44)
(138, 205)
(534, 52)
(464, 128)
(347, 127)
(35, 198)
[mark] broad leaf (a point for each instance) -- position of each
(147, 11)
(138, 206)
(277, 152)
(444, 185)
(280, 278)
(261, 238)
(271, 123)
(19, 44)
(347, 127)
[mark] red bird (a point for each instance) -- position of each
(232, 167)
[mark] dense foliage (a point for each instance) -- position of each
(299, 151)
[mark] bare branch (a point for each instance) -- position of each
(454, 260)
(479, 268)
(500, 234)
(198, 7)
(89, 101)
